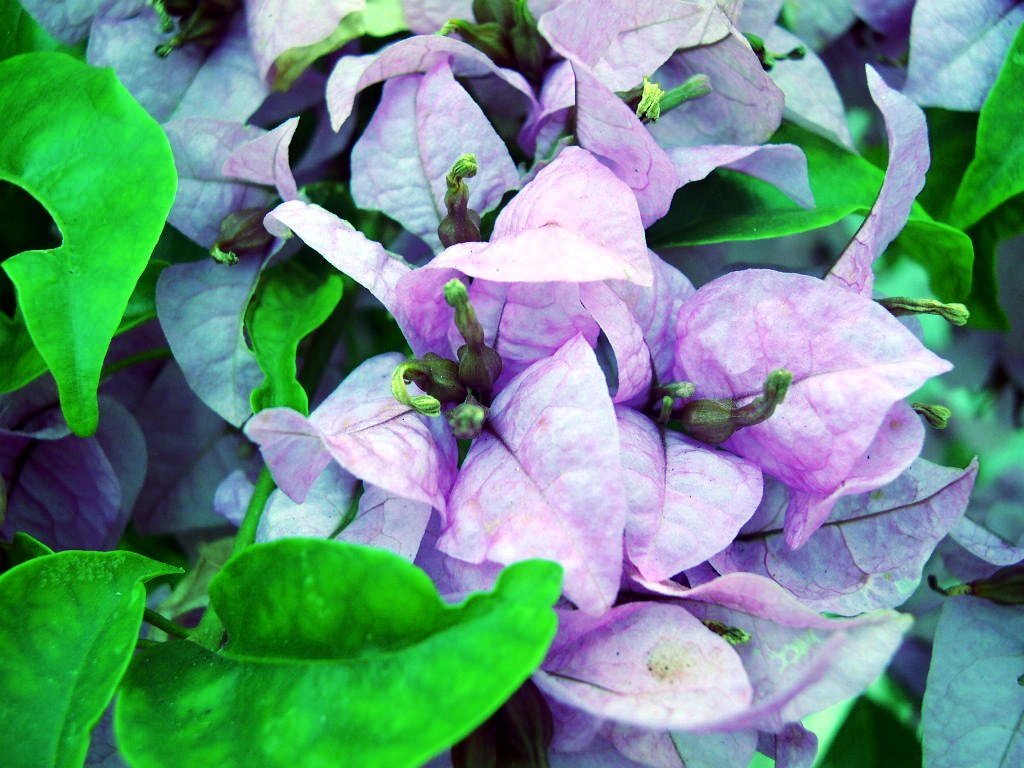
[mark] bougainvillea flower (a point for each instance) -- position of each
(624, 42)
(956, 50)
(909, 159)
(686, 502)
(543, 480)
(364, 429)
(411, 56)
(876, 544)
(851, 362)
(644, 664)
(423, 124)
(378, 519)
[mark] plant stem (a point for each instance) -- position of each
(210, 630)
(160, 353)
(247, 530)
(162, 622)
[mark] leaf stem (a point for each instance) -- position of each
(162, 622)
(160, 353)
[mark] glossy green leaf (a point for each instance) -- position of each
(76, 140)
(1005, 221)
(25, 547)
(730, 206)
(872, 737)
(337, 655)
(68, 626)
(997, 171)
(290, 303)
(19, 32)
(951, 137)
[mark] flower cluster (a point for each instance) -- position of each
(730, 476)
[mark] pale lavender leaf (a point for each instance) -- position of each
(624, 41)
(896, 445)
(201, 307)
(625, 336)
(410, 56)
(543, 479)
(318, 516)
(276, 26)
(222, 84)
(851, 362)
(264, 160)
(608, 128)
(232, 497)
(123, 443)
(826, 660)
(812, 99)
(986, 545)
(367, 432)
(69, 21)
(744, 106)
(686, 502)
(890, 17)
(644, 746)
(599, 755)
(818, 22)
(655, 309)
(909, 159)
(228, 86)
(421, 127)
(712, 750)
(64, 489)
(783, 165)
(127, 44)
(652, 665)
(973, 702)
(103, 751)
(190, 453)
(205, 196)
(428, 16)
(871, 550)
(792, 747)
(956, 50)
(757, 16)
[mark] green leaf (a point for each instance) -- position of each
(379, 19)
(76, 140)
(997, 171)
(870, 737)
(24, 548)
(290, 303)
(1005, 221)
(68, 626)
(338, 655)
(951, 140)
(731, 206)
(20, 33)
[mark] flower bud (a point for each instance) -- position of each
(954, 314)
(731, 635)
(466, 420)
(460, 225)
(715, 421)
(1005, 586)
(241, 231)
(937, 416)
(479, 364)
